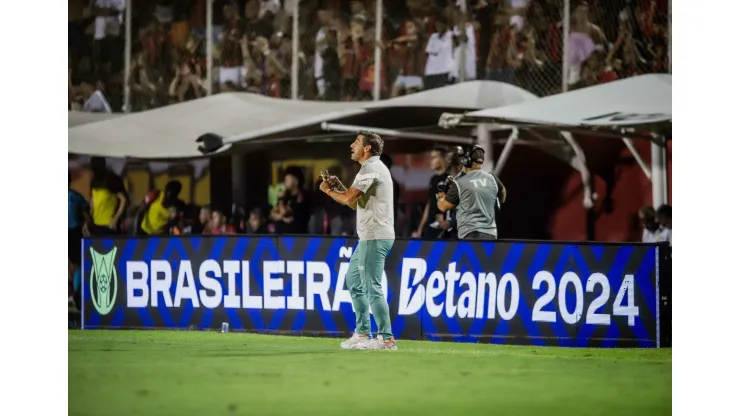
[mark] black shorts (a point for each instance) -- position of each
(74, 246)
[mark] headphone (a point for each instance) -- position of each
(466, 156)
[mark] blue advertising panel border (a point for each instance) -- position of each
(534, 293)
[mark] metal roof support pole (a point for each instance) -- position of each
(209, 47)
(461, 59)
(238, 179)
(295, 50)
(483, 135)
(638, 158)
(127, 60)
(508, 147)
(378, 55)
(349, 128)
(579, 162)
(659, 173)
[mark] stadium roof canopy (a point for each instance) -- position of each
(244, 119)
(170, 132)
(78, 118)
(640, 102)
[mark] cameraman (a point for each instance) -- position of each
(475, 196)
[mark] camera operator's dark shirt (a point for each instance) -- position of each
(434, 183)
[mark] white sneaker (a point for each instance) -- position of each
(357, 341)
(382, 344)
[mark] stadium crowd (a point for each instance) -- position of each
(513, 41)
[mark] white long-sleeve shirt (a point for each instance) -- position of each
(439, 54)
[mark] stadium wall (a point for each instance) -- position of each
(505, 292)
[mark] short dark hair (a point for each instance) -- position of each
(477, 155)
(174, 186)
(256, 211)
(296, 172)
(453, 156)
(664, 211)
(442, 149)
(373, 140)
(97, 163)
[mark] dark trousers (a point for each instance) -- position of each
(435, 81)
(477, 235)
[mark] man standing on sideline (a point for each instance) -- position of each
(454, 170)
(371, 194)
(474, 193)
(431, 214)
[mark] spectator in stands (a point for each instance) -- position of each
(218, 224)
(204, 218)
(439, 56)
(464, 37)
(585, 38)
(502, 56)
(325, 21)
(108, 39)
(517, 10)
(155, 213)
(624, 56)
(269, 9)
(356, 56)
(109, 198)
(238, 218)
(367, 66)
(256, 222)
(77, 21)
(295, 200)
(332, 71)
(177, 224)
(231, 71)
(276, 56)
(257, 20)
(358, 10)
(531, 69)
(666, 227)
(79, 221)
(190, 76)
(285, 222)
(409, 49)
(94, 97)
(650, 226)
(514, 41)
(147, 90)
(432, 214)
(156, 49)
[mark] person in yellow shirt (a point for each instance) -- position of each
(109, 199)
(155, 214)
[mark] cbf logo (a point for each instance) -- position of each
(103, 281)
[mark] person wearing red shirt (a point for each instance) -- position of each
(218, 224)
(232, 70)
(356, 56)
(411, 59)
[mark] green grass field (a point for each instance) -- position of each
(209, 373)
